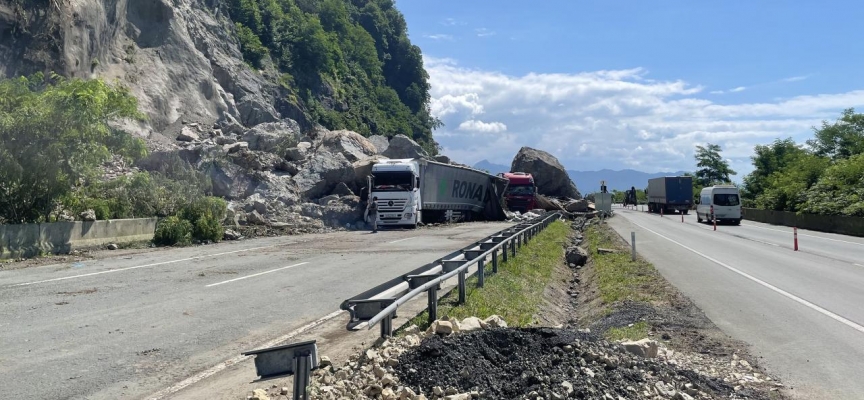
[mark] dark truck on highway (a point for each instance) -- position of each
(670, 193)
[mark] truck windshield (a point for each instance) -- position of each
(726, 200)
(520, 190)
(392, 181)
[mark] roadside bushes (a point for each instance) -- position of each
(197, 221)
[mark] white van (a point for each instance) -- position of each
(722, 202)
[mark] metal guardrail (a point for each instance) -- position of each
(380, 303)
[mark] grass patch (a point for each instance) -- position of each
(618, 277)
(516, 291)
(638, 331)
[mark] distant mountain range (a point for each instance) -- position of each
(589, 181)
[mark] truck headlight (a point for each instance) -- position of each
(408, 215)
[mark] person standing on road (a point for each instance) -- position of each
(372, 210)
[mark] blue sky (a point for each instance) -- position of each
(635, 84)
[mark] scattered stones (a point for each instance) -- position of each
(495, 321)
(113, 246)
(88, 215)
(259, 394)
(471, 324)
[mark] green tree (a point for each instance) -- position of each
(841, 139)
(839, 190)
(768, 160)
(54, 134)
(713, 169)
(784, 189)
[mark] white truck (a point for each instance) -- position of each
(411, 191)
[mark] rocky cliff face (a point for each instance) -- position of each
(180, 58)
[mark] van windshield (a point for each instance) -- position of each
(728, 199)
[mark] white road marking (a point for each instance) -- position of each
(254, 275)
(402, 240)
(234, 360)
(138, 266)
(791, 296)
(803, 234)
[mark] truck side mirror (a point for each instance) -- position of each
(417, 183)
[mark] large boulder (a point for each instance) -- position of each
(549, 175)
(255, 110)
(352, 145)
(273, 136)
(363, 168)
(229, 180)
(257, 160)
(299, 152)
(346, 210)
(402, 146)
(380, 142)
(322, 173)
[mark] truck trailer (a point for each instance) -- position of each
(670, 193)
(521, 191)
(413, 191)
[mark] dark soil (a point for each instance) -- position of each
(513, 363)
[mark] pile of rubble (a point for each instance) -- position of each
(277, 176)
(476, 358)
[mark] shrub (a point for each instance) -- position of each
(173, 230)
(206, 216)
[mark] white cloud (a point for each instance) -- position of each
(717, 92)
(483, 32)
(480, 126)
(439, 36)
(611, 118)
(796, 78)
(738, 89)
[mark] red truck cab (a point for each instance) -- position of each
(521, 191)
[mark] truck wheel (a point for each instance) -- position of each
(738, 221)
(698, 218)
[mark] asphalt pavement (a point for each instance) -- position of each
(129, 326)
(802, 311)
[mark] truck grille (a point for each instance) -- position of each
(391, 205)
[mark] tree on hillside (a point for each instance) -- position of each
(713, 168)
(54, 134)
(841, 139)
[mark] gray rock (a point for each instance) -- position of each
(256, 160)
(363, 168)
(273, 136)
(187, 134)
(230, 126)
(576, 255)
(298, 153)
(223, 140)
(402, 146)
(342, 190)
(229, 180)
(113, 246)
(380, 142)
(567, 386)
(495, 321)
(642, 348)
(88, 215)
(312, 210)
(442, 159)
(322, 173)
(231, 234)
(255, 110)
(549, 175)
(577, 206)
(350, 144)
(255, 218)
(327, 199)
(345, 210)
(443, 327)
(236, 147)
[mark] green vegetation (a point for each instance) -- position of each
(55, 133)
(618, 277)
(173, 231)
(825, 177)
(516, 291)
(199, 220)
(356, 54)
(641, 196)
(638, 331)
(713, 169)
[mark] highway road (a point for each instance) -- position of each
(802, 312)
(130, 326)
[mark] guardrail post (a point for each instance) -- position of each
(633, 246)
(387, 326)
(504, 252)
(495, 262)
(481, 272)
(433, 305)
(302, 371)
(513, 250)
(462, 287)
